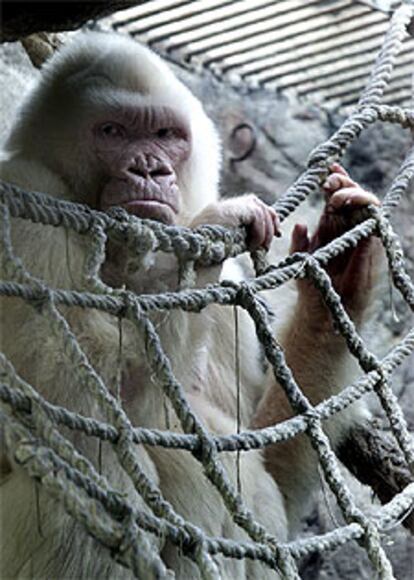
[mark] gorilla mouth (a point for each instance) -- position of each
(150, 209)
(147, 201)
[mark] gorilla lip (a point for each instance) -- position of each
(143, 202)
(150, 209)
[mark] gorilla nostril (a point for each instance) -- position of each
(138, 171)
(146, 167)
(160, 171)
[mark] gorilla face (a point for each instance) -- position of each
(140, 152)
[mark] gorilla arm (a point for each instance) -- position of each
(317, 355)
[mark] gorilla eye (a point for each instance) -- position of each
(112, 130)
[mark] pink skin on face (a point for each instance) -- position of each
(140, 152)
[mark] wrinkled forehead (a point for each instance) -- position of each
(127, 83)
(99, 100)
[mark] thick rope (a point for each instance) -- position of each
(32, 424)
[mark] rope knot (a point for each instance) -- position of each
(41, 297)
(206, 452)
(308, 267)
(245, 296)
(136, 234)
(311, 416)
(131, 305)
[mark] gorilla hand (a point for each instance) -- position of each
(353, 272)
(260, 219)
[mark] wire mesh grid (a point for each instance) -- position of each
(50, 457)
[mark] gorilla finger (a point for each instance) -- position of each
(337, 168)
(276, 225)
(275, 221)
(270, 211)
(257, 230)
(337, 181)
(350, 197)
(300, 239)
(269, 228)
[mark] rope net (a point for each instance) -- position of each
(50, 457)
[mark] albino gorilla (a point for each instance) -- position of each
(109, 125)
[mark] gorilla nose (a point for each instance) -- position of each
(136, 171)
(148, 169)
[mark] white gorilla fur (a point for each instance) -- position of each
(133, 71)
(40, 157)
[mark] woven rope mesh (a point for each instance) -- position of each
(48, 455)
